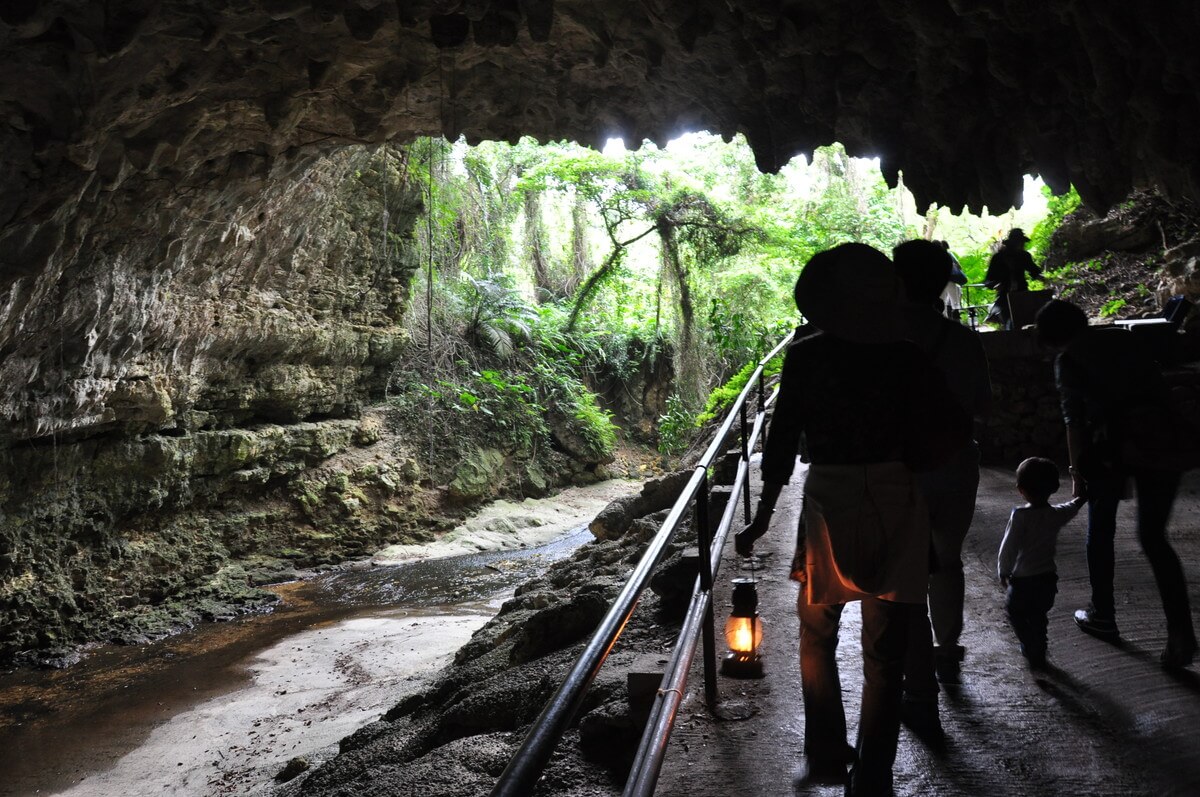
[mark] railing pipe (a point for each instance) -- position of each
(704, 537)
(525, 767)
(746, 459)
(643, 776)
(651, 750)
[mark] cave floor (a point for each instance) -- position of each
(1104, 719)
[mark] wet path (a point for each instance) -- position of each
(222, 708)
(1106, 720)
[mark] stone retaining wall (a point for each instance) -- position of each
(1026, 420)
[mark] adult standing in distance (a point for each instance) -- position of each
(951, 295)
(1007, 270)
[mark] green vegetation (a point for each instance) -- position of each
(721, 398)
(1057, 208)
(1111, 308)
(676, 427)
(546, 273)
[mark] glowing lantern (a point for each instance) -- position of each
(743, 633)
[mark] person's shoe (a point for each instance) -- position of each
(851, 791)
(1097, 625)
(1179, 652)
(948, 671)
(921, 717)
(947, 663)
(826, 770)
(825, 773)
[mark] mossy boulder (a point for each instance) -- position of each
(479, 475)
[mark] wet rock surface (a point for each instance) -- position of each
(228, 705)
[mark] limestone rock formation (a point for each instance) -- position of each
(147, 146)
(616, 519)
(1130, 262)
(157, 157)
(179, 274)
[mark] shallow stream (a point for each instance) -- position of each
(222, 708)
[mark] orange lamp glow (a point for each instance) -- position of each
(743, 633)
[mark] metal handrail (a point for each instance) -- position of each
(525, 767)
(652, 748)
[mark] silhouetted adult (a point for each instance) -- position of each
(849, 390)
(951, 295)
(1007, 269)
(950, 489)
(1103, 377)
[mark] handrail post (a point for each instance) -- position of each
(704, 537)
(746, 459)
(762, 393)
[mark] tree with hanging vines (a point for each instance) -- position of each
(632, 204)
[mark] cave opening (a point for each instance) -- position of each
(219, 345)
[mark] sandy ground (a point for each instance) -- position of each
(1105, 720)
(304, 694)
(504, 525)
(222, 709)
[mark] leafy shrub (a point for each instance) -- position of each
(726, 394)
(1111, 308)
(677, 427)
(1058, 208)
(498, 317)
(593, 423)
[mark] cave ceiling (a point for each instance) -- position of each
(145, 97)
(172, 255)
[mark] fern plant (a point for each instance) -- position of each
(498, 317)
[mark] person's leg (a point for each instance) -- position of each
(1017, 605)
(919, 709)
(884, 639)
(950, 516)
(1104, 493)
(1155, 495)
(1037, 600)
(919, 681)
(1047, 589)
(824, 715)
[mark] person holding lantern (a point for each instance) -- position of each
(858, 403)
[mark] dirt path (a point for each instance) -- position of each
(1106, 720)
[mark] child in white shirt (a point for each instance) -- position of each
(1026, 561)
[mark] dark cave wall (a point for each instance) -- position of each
(177, 335)
(144, 144)
(180, 313)
(174, 430)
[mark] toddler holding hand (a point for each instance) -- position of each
(1026, 561)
